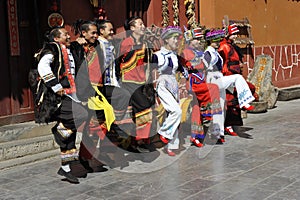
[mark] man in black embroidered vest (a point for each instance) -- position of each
(90, 88)
(57, 68)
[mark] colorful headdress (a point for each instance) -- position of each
(215, 35)
(196, 33)
(170, 31)
(232, 29)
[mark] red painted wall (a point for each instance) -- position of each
(275, 31)
(286, 63)
(274, 26)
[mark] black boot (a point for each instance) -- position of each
(68, 176)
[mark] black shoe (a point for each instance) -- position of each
(86, 165)
(219, 141)
(222, 137)
(68, 176)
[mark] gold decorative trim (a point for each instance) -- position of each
(165, 13)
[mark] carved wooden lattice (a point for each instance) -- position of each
(244, 35)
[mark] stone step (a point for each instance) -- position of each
(22, 151)
(28, 158)
(290, 93)
(27, 142)
(259, 107)
(25, 130)
(23, 147)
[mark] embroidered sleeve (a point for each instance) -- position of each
(47, 74)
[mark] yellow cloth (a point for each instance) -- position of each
(94, 103)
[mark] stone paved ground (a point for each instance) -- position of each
(265, 167)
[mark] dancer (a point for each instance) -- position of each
(167, 87)
(206, 101)
(213, 63)
(90, 83)
(135, 76)
(232, 64)
(57, 68)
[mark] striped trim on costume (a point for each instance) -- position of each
(127, 66)
(143, 124)
(48, 77)
(123, 118)
(68, 156)
(144, 117)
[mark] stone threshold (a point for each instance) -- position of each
(289, 93)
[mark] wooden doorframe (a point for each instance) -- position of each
(16, 103)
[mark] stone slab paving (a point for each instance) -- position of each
(264, 167)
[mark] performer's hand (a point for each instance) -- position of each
(81, 41)
(99, 97)
(60, 92)
(185, 73)
(225, 70)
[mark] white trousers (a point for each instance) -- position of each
(169, 128)
(228, 82)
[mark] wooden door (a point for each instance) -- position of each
(15, 96)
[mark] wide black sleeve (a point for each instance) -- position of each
(84, 89)
(78, 54)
